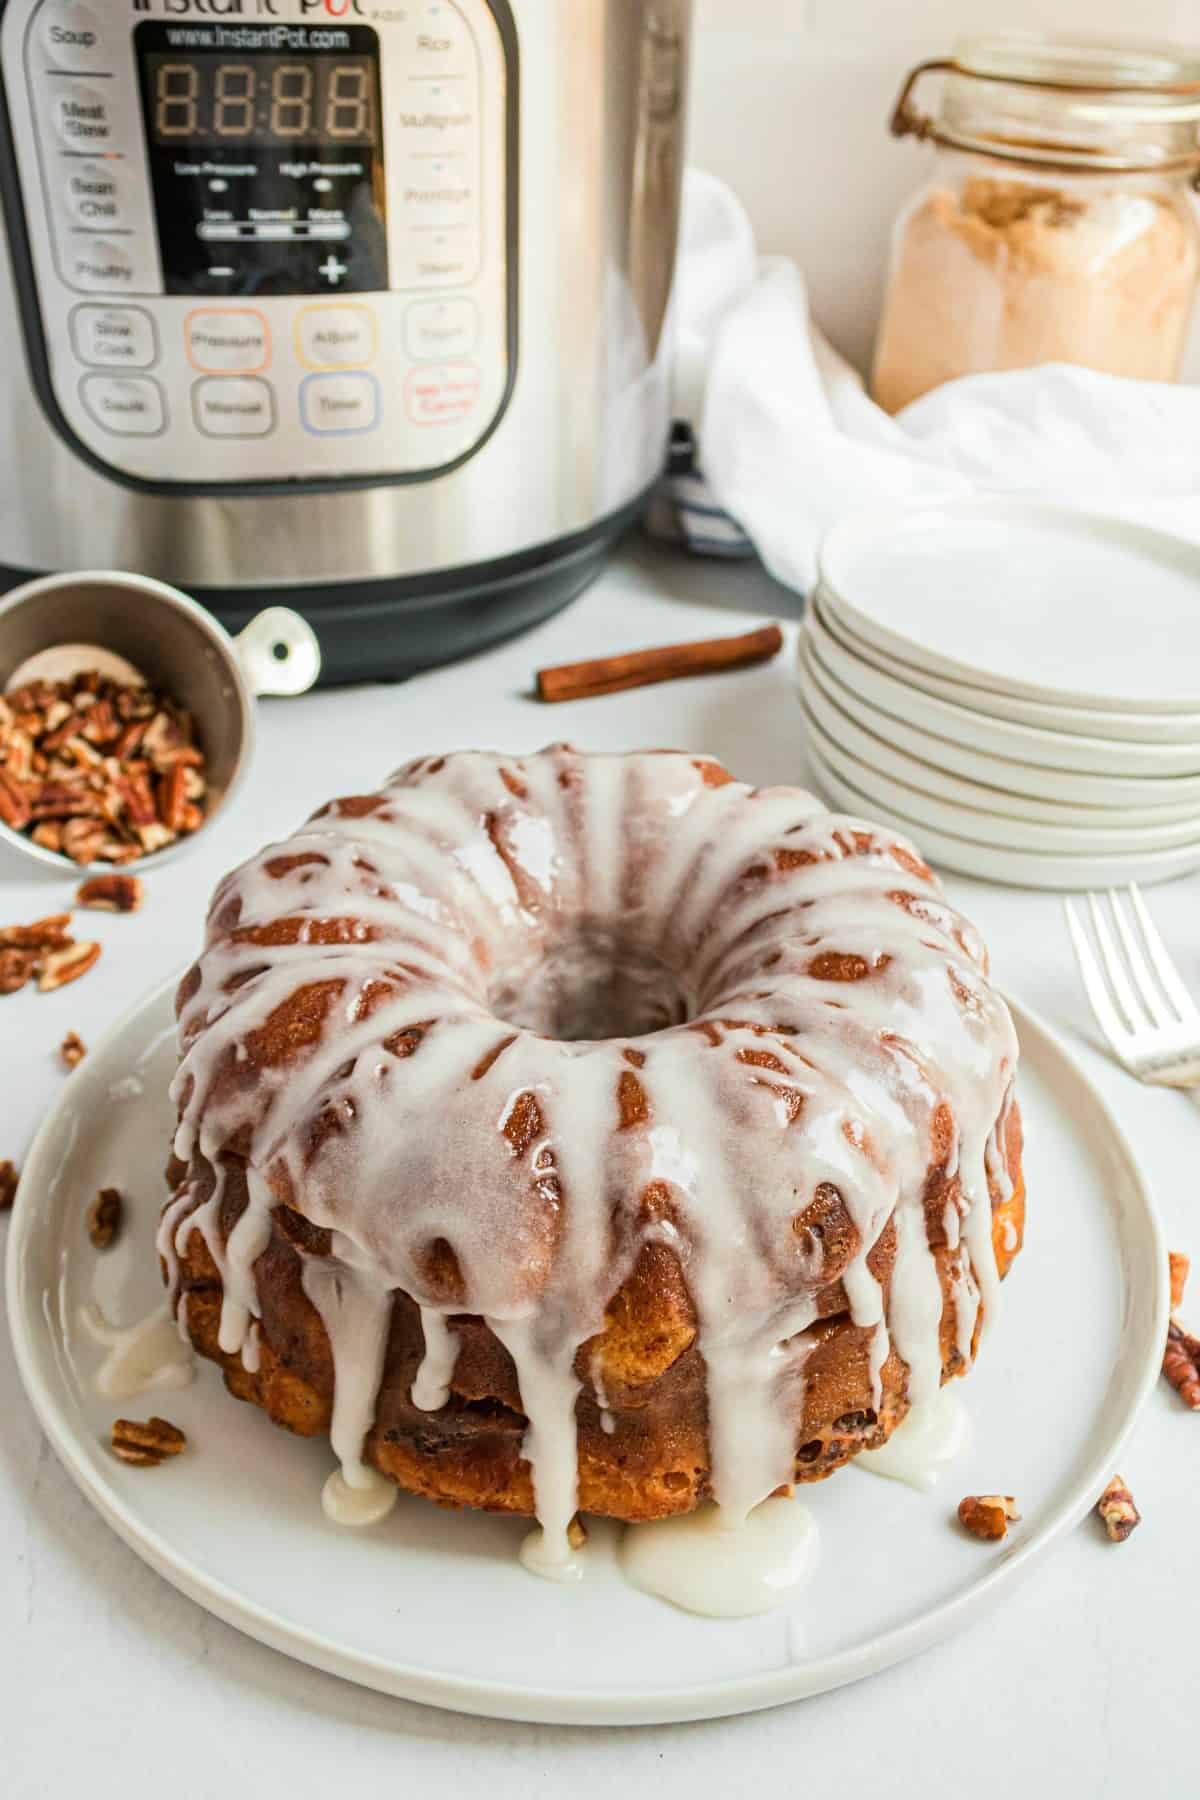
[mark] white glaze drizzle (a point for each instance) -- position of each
(431, 1385)
(365, 1503)
(478, 876)
(931, 1434)
(701, 1562)
(147, 1357)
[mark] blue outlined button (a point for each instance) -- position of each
(339, 405)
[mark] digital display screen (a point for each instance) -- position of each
(267, 100)
(266, 157)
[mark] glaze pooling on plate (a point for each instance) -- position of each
(699, 1562)
(553, 985)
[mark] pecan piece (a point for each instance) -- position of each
(8, 1185)
(987, 1515)
(43, 934)
(104, 1217)
(83, 839)
(172, 797)
(16, 967)
(72, 1050)
(111, 893)
(146, 1445)
(1179, 1266)
(1181, 1364)
(67, 964)
(15, 809)
(1115, 1506)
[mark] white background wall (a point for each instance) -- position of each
(790, 103)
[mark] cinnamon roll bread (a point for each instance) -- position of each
(578, 1131)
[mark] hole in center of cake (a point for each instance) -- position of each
(591, 986)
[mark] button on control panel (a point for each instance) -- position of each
(339, 404)
(113, 337)
(129, 405)
(233, 406)
(278, 259)
(434, 329)
(336, 336)
(226, 338)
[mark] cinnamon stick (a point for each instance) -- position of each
(669, 662)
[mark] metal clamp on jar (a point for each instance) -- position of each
(1057, 224)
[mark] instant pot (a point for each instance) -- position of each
(364, 307)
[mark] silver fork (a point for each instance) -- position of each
(1140, 1003)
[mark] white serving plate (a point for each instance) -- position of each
(1005, 775)
(996, 828)
(926, 778)
(1045, 602)
(1013, 867)
(1140, 727)
(1003, 737)
(434, 1606)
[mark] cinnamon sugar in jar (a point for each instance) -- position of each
(1058, 224)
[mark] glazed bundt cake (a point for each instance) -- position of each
(586, 1131)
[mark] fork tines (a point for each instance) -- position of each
(1140, 1002)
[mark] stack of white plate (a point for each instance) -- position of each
(1015, 685)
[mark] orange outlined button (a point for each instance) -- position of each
(335, 337)
(227, 340)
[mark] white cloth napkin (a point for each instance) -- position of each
(790, 440)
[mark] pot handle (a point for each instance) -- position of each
(279, 652)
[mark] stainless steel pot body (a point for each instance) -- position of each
(579, 114)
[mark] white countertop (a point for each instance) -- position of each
(1082, 1682)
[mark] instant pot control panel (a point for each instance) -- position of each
(267, 241)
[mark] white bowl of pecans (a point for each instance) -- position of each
(127, 714)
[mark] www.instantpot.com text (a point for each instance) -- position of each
(256, 37)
